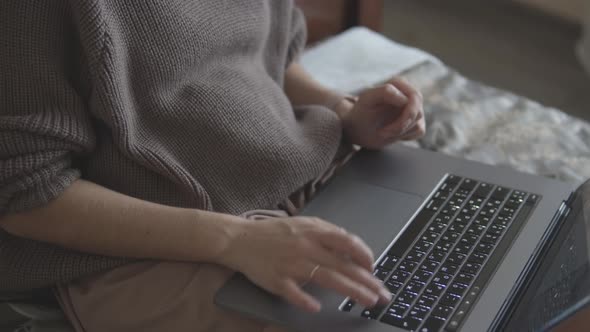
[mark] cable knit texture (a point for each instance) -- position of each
(178, 102)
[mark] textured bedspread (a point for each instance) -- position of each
(464, 118)
(478, 122)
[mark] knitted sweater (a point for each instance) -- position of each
(178, 102)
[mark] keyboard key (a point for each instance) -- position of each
(441, 194)
(415, 286)
(482, 220)
(429, 266)
(514, 202)
(422, 276)
(437, 256)
(483, 190)
(490, 238)
(450, 236)
(406, 297)
(506, 211)
(457, 227)
(393, 286)
(485, 248)
(500, 193)
(471, 268)
(442, 311)
(456, 258)
(432, 324)
(372, 313)
(468, 184)
(419, 312)
(464, 278)
(469, 239)
(453, 180)
(442, 278)
(449, 299)
(399, 276)
(381, 274)
(502, 220)
(462, 219)
(407, 265)
(423, 246)
(496, 229)
(463, 248)
(426, 301)
(477, 257)
(415, 256)
(434, 204)
(388, 262)
(476, 229)
(430, 237)
(449, 268)
(434, 289)
(397, 309)
(348, 305)
(405, 323)
(457, 289)
(437, 228)
(443, 246)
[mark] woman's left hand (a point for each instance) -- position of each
(384, 115)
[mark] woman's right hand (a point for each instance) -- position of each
(281, 254)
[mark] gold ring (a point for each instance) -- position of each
(311, 274)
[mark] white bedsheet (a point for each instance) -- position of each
(464, 118)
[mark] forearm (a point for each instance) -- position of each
(90, 218)
(302, 89)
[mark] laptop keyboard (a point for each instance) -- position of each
(440, 264)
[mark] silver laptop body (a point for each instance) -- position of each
(376, 196)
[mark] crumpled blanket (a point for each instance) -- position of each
(478, 122)
(464, 118)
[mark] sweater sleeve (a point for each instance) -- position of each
(43, 121)
(298, 35)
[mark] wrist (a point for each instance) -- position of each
(343, 105)
(224, 230)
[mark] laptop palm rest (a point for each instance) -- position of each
(374, 213)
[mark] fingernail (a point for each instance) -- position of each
(391, 88)
(407, 125)
(386, 295)
(375, 300)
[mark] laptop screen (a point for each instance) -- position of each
(559, 286)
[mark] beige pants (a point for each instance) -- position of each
(153, 296)
(169, 296)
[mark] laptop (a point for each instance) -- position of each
(462, 246)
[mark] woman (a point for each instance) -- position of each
(136, 138)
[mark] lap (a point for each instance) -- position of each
(153, 296)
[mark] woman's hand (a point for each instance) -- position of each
(282, 255)
(385, 114)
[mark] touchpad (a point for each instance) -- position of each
(374, 213)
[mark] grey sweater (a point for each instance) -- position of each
(178, 102)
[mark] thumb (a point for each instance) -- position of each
(386, 94)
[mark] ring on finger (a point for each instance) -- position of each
(311, 275)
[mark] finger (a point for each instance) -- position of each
(405, 120)
(291, 291)
(386, 94)
(330, 279)
(351, 270)
(416, 133)
(350, 245)
(406, 88)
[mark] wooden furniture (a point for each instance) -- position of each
(572, 10)
(329, 17)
